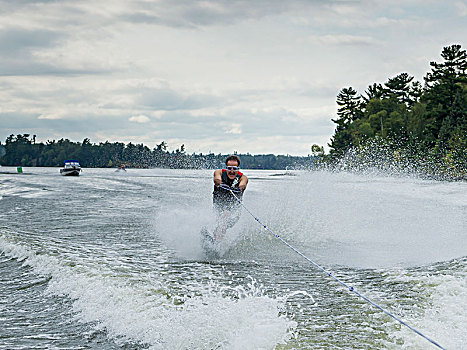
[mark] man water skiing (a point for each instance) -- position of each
(229, 184)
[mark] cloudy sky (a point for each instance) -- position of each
(257, 76)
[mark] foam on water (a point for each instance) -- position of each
(443, 316)
(20, 190)
(148, 313)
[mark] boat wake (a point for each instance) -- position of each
(148, 312)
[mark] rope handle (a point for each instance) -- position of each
(227, 188)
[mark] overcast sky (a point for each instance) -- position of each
(222, 76)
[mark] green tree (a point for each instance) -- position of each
(400, 88)
(445, 84)
(375, 91)
(350, 109)
(349, 106)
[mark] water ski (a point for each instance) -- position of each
(209, 244)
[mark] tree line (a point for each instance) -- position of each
(22, 150)
(424, 123)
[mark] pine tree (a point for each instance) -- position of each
(350, 109)
(399, 88)
(445, 81)
(349, 106)
(375, 91)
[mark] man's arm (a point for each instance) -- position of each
(217, 177)
(243, 182)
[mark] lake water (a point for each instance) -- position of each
(112, 260)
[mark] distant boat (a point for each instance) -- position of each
(71, 168)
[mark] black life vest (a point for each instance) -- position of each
(232, 183)
(222, 197)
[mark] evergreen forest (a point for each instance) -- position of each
(424, 125)
(22, 150)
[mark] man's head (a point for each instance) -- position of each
(232, 166)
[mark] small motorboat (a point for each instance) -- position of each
(71, 168)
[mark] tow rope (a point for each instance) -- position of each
(350, 288)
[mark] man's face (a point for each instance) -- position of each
(230, 172)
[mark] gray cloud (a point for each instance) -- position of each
(174, 13)
(25, 67)
(340, 13)
(344, 39)
(206, 13)
(167, 99)
(265, 123)
(18, 47)
(14, 41)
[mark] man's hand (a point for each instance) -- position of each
(225, 187)
(243, 182)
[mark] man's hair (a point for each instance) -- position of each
(232, 157)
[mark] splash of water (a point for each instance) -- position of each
(398, 158)
(211, 316)
(180, 230)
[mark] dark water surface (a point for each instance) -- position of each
(112, 260)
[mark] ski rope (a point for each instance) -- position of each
(350, 288)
